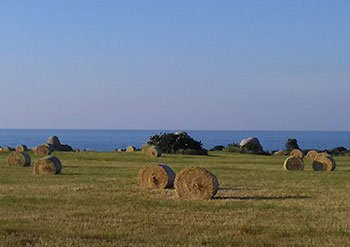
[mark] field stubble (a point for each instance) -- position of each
(96, 201)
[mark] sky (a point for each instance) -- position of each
(162, 64)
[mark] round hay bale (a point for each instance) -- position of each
(297, 153)
(47, 165)
(311, 155)
(324, 163)
(293, 163)
(114, 150)
(18, 159)
(130, 149)
(144, 147)
(6, 149)
(21, 148)
(153, 151)
(121, 150)
(43, 149)
(156, 176)
(317, 156)
(196, 183)
(279, 152)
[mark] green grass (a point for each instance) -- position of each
(95, 201)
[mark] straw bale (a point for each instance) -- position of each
(324, 163)
(130, 149)
(121, 149)
(280, 152)
(21, 148)
(156, 176)
(153, 151)
(293, 163)
(311, 155)
(297, 153)
(43, 149)
(144, 147)
(18, 159)
(47, 165)
(320, 155)
(196, 183)
(6, 149)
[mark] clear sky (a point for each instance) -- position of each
(184, 64)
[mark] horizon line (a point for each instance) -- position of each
(88, 129)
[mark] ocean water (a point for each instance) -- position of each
(109, 139)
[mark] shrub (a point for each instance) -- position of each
(177, 143)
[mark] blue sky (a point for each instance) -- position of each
(233, 65)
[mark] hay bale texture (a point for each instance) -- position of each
(153, 151)
(6, 149)
(144, 147)
(130, 149)
(311, 155)
(18, 159)
(47, 165)
(196, 183)
(43, 149)
(156, 176)
(297, 153)
(319, 155)
(21, 148)
(324, 163)
(293, 163)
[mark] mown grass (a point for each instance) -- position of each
(95, 201)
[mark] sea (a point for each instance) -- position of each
(106, 140)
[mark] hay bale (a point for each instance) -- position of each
(21, 148)
(280, 152)
(130, 149)
(43, 149)
(18, 159)
(156, 176)
(324, 163)
(297, 153)
(121, 149)
(293, 163)
(144, 147)
(311, 155)
(47, 165)
(114, 150)
(196, 183)
(318, 155)
(6, 149)
(153, 151)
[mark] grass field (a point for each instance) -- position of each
(96, 201)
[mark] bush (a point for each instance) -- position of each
(217, 148)
(177, 143)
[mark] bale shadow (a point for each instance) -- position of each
(259, 197)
